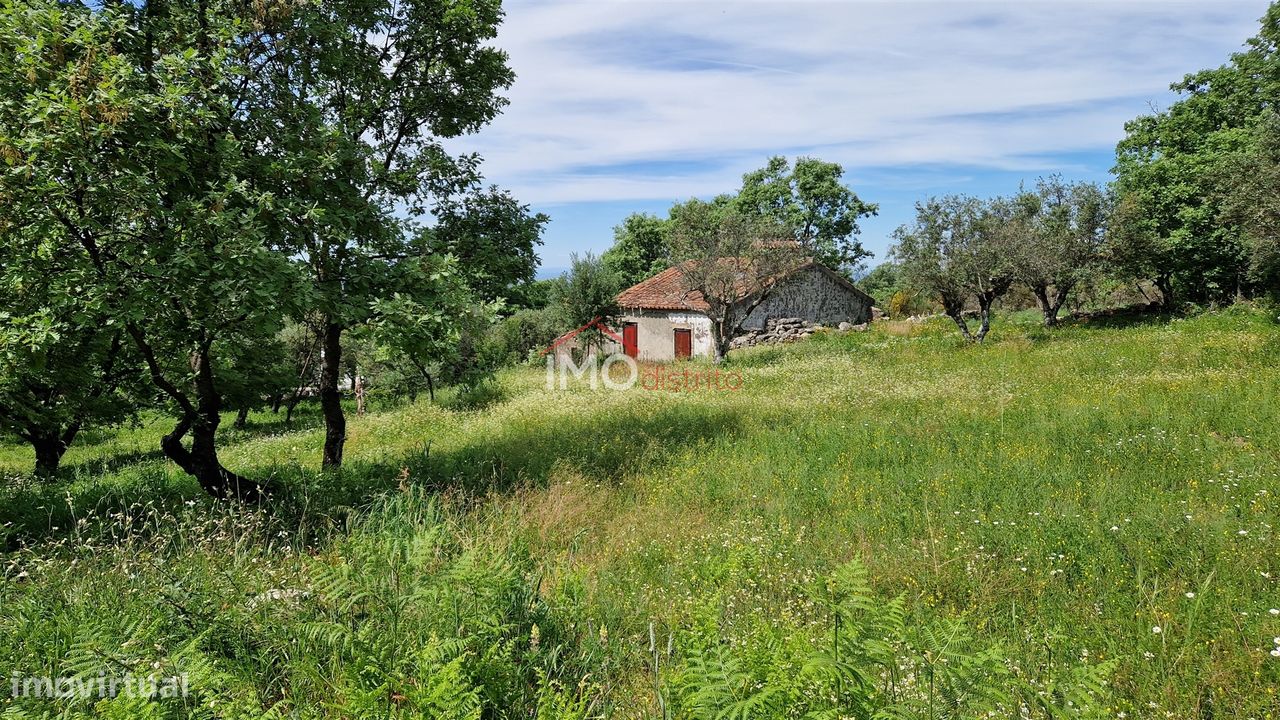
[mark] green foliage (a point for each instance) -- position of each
(1252, 177)
(640, 249)
(494, 239)
(811, 199)
(1058, 233)
(1171, 182)
(958, 250)
(526, 333)
(875, 665)
(587, 292)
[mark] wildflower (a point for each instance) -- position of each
(1274, 611)
(1242, 532)
(1191, 594)
(1275, 652)
(1157, 630)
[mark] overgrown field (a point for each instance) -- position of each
(1081, 522)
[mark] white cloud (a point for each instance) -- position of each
(700, 92)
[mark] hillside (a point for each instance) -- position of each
(1101, 496)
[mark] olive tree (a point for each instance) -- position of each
(1056, 235)
(731, 261)
(957, 250)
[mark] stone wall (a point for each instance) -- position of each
(817, 297)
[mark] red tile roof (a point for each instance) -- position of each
(667, 291)
(664, 291)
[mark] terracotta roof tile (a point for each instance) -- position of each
(664, 291)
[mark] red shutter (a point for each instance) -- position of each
(630, 340)
(684, 344)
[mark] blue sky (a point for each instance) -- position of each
(629, 105)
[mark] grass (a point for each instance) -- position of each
(1062, 494)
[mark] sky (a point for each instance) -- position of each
(624, 106)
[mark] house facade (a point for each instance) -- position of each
(662, 321)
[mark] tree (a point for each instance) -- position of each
(61, 369)
(732, 260)
(369, 91)
(956, 249)
(588, 292)
(493, 238)
(640, 249)
(1055, 237)
(811, 199)
(1251, 201)
(127, 148)
(1170, 179)
(254, 371)
(426, 323)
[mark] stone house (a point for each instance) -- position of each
(661, 320)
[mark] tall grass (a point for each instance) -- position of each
(1092, 508)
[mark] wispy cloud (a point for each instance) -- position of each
(649, 100)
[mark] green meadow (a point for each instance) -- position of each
(1071, 523)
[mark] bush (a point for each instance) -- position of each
(526, 333)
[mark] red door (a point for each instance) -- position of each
(630, 340)
(684, 344)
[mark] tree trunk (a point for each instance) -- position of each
(201, 420)
(289, 408)
(49, 448)
(1164, 284)
(1046, 307)
(202, 463)
(1050, 305)
(719, 342)
(276, 401)
(985, 326)
(242, 418)
(335, 423)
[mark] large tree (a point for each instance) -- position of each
(1170, 181)
(812, 199)
(128, 157)
(732, 260)
(1251, 201)
(957, 250)
(369, 91)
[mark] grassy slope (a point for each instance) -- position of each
(1065, 492)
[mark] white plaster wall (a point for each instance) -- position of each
(655, 333)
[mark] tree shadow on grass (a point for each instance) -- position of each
(1142, 315)
(602, 448)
